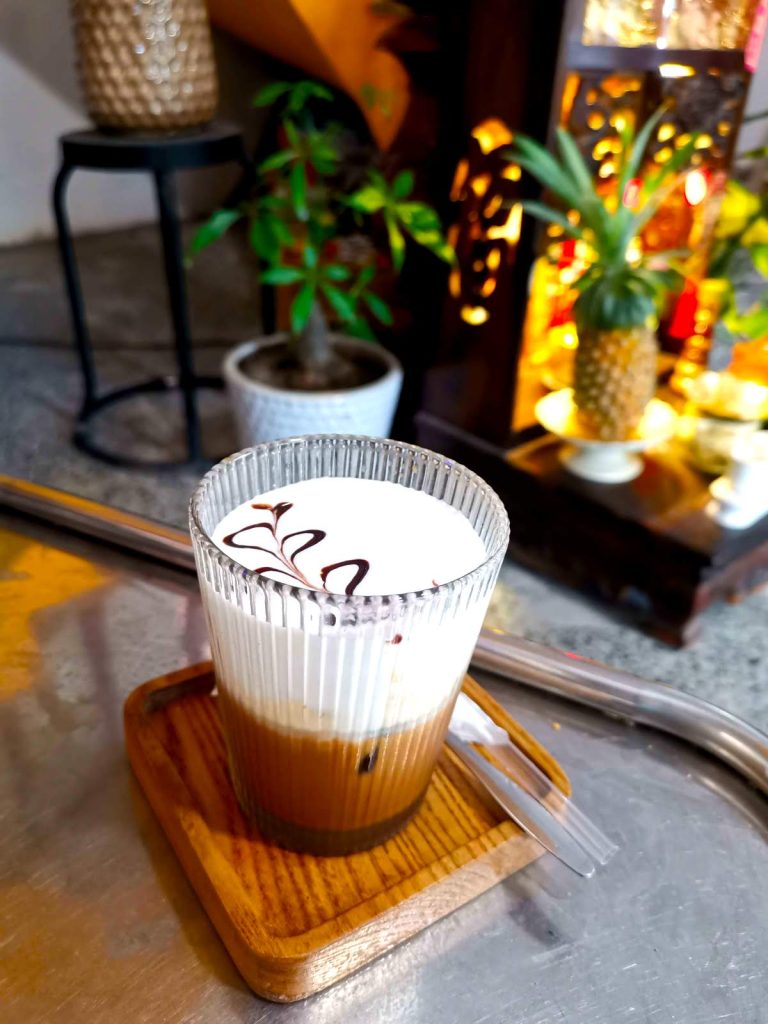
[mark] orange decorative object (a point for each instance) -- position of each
(750, 360)
(334, 40)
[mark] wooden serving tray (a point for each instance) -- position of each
(295, 923)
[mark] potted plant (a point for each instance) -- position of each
(616, 308)
(308, 208)
(740, 253)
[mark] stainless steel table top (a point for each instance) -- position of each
(98, 924)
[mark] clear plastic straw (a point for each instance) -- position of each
(473, 725)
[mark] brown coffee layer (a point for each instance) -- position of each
(324, 794)
(326, 842)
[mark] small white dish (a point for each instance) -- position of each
(740, 497)
(604, 462)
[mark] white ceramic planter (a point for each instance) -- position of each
(265, 413)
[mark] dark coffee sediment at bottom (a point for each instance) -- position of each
(328, 794)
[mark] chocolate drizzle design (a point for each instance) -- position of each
(287, 561)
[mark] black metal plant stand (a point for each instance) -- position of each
(160, 156)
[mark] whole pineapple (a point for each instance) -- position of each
(615, 312)
(615, 368)
(614, 380)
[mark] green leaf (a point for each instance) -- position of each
(217, 225)
(759, 254)
(445, 252)
(282, 275)
(343, 305)
(365, 277)
(633, 157)
(282, 232)
(292, 132)
(301, 307)
(298, 186)
(367, 199)
(360, 328)
(276, 161)
(420, 216)
(303, 91)
(679, 159)
(396, 243)
(402, 186)
(535, 159)
(263, 239)
(266, 96)
(335, 272)
(752, 324)
(574, 163)
(310, 256)
(378, 307)
(543, 212)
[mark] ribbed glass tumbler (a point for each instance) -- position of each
(335, 707)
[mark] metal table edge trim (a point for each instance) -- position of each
(612, 691)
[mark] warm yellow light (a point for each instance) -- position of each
(491, 134)
(512, 172)
(607, 169)
(634, 252)
(619, 121)
(570, 92)
(479, 184)
(676, 71)
(454, 282)
(695, 187)
(489, 286)
(474, 315)
(492, 206)
(602, 148)
(723, 128)
(663, 155)
(568, 338)
(459, 179)
(703, 141)
(510, 230)
(494, 259)
(683, 140)
(665, 132)
(595, 121)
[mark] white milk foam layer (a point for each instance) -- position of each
(291, 667)
(411, 540)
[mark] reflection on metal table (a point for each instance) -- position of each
(97, 922)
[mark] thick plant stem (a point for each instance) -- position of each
(312, 347)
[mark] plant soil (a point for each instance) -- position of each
(277, 367)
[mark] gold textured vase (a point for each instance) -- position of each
(146, 65)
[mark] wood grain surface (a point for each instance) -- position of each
(295, 923)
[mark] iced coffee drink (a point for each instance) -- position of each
(345, 581)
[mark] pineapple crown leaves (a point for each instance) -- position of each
(615, 291)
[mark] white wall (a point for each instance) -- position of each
(753, 135)
(40, 100)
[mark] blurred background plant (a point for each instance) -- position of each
(311, 217)
(739, 258)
